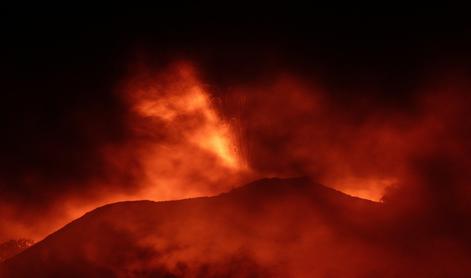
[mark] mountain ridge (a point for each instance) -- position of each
(271, 227)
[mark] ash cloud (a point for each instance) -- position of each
(358, 108)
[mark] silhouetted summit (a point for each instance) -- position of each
(271, 227)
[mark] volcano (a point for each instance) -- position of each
(269, 228)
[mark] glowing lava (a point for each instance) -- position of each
(187, 142)
(366, 188)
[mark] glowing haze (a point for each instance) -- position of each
(184, 135)
(176, 145)
(186, 147)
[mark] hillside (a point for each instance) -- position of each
(272, 227)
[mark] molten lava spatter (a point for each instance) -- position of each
(186, 141)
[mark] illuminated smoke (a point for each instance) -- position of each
(176, 145)
(185, 147)
(184, 137)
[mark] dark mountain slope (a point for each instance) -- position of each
(272, 227)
